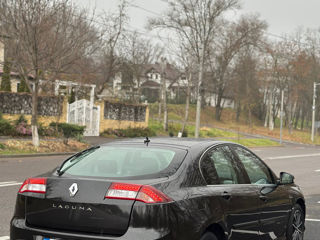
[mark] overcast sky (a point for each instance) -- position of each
(283, 16)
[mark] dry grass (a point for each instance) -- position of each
(56, 146)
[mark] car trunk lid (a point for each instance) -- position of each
(72, 204)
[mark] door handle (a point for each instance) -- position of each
(226, 195)
(263, 198)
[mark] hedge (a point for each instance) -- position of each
(6, 128)
(69, 130)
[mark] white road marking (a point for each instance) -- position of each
(8, 184)
(312, 220)
(4, 238)
(294, 156)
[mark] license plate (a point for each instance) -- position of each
(44, 238)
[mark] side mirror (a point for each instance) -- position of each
(286, 178)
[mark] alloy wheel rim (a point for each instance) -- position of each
(298, 225)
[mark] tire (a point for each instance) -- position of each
(209, 236)
(296, 224)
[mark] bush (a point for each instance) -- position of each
(2, 146)
(20, 120)
(185, 133)
(22, 129)
(69, 130)
(155, 126)
(130, 132)
(49, 131)
(6, 128)
(174, 129)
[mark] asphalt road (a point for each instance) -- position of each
(303, 162)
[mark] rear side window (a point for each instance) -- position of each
(257, 171)
(218, 167)
(224, 167)
(124, 161)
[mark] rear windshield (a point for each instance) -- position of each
(125, 161)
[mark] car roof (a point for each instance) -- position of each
(185, 143)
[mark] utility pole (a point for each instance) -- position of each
(314, 109)
(281, 115)
(271, 124)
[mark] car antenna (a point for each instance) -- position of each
(146, 141)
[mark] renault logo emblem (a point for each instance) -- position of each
(73, 189)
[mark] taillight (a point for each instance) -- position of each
(123, 191)
(142, 193)
(34, 185)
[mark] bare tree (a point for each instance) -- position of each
(113, 29)
(246, 81)
(164, 93)
(47, 37)
(233, 37)
(195, 21)
(137, 53)
(187, 62)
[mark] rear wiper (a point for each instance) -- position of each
(73, 157)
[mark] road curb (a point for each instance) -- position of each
(36, 155)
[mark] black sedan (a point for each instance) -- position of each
(160, 189)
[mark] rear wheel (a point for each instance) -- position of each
(296, 225)
(209, 236)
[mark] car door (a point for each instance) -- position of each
(239, 201)
(275, 203)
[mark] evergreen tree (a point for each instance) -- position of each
(72, 97)
(23, 86)
(5, 82)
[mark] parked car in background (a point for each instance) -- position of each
(160, 189)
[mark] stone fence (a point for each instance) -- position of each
(50, 108)
(56, 109)
(21, 103)
(124, 112)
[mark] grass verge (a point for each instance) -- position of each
(175, 128)
(228, 121)
(206, 132)
(255, 142)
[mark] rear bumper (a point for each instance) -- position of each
(19, 231)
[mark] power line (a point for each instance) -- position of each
(144, 9)
(266, 32)
(144, 33)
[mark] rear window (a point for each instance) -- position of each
(125, 161)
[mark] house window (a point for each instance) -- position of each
(32, 86)
(18, 85)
